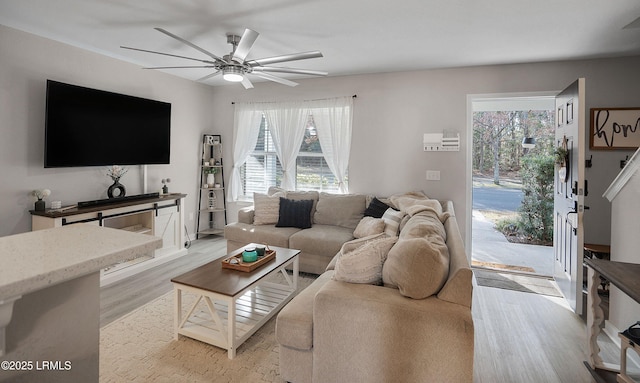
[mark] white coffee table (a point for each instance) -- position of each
(237, 303)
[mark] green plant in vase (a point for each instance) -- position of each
(210, 171)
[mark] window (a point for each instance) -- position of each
(263, 170)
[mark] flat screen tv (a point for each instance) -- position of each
(90, 127)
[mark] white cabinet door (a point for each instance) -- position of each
(167, 227)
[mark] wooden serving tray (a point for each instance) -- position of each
(248, 266)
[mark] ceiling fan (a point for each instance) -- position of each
(235, 67)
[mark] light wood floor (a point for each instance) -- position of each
(519, 337)
(125, 296)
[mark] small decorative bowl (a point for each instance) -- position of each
(249, 256)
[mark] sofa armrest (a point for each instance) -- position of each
(459, 286)
(245, 215)
(365, 333)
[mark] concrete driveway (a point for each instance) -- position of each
(489, 246)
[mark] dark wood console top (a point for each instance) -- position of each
(90, 209)
(622, 275)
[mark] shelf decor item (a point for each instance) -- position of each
(165, 188)
(40, 194)
(236, 261)
(212, 212)
(212, 200)
(115, 173)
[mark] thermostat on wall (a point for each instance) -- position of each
(440, 142)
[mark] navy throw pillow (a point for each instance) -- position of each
(376, 208)
(295, 213)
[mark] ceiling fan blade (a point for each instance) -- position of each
(180, 67)
(246, 83)
(283, 58)
(290, 70)
(277, 79)
(169, 54)
(210, 75)
(192, 45)
(244, 46)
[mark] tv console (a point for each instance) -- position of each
(152, 214)
(109, 201)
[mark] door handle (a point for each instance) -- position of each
(586, 189)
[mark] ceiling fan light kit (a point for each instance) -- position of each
(232, 74)
(234, 67)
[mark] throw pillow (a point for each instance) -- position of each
(392, 219)
(267, 208)
(344, 210)
(369, 226)
(356, 243)
(312, 195)
(364, 265)
(418, 267)
(352, 245)
(295, 213)
(376, 208)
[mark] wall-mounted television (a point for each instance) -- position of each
(90, 127)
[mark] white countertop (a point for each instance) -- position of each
(34, 260)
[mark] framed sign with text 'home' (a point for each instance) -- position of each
(615, 128)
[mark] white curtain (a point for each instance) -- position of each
(287, 122)
(333, 118)
(248, 117)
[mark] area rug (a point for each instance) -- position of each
(517, 282)
(140, 347)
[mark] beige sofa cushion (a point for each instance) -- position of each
(369, 226)
(323, 240)
(417, 267)
(294, 324)
(265, 234)
(267, 208)
(344, 210)
(418, 264)
(364, 264)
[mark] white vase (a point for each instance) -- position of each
(210, 179)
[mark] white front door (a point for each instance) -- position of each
(569, 194)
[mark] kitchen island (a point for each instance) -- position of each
(50, 299)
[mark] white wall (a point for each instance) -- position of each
(26, 62)
(625, 243)
(393, 110)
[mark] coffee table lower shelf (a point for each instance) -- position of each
(228, 321)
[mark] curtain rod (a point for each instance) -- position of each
(318, 99)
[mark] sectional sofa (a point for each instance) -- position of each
(391, 306)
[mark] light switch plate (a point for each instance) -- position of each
(433, 175)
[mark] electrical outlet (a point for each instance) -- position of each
(433, 175)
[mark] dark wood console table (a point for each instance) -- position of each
(625, 277)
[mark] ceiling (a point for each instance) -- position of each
(355, 36)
